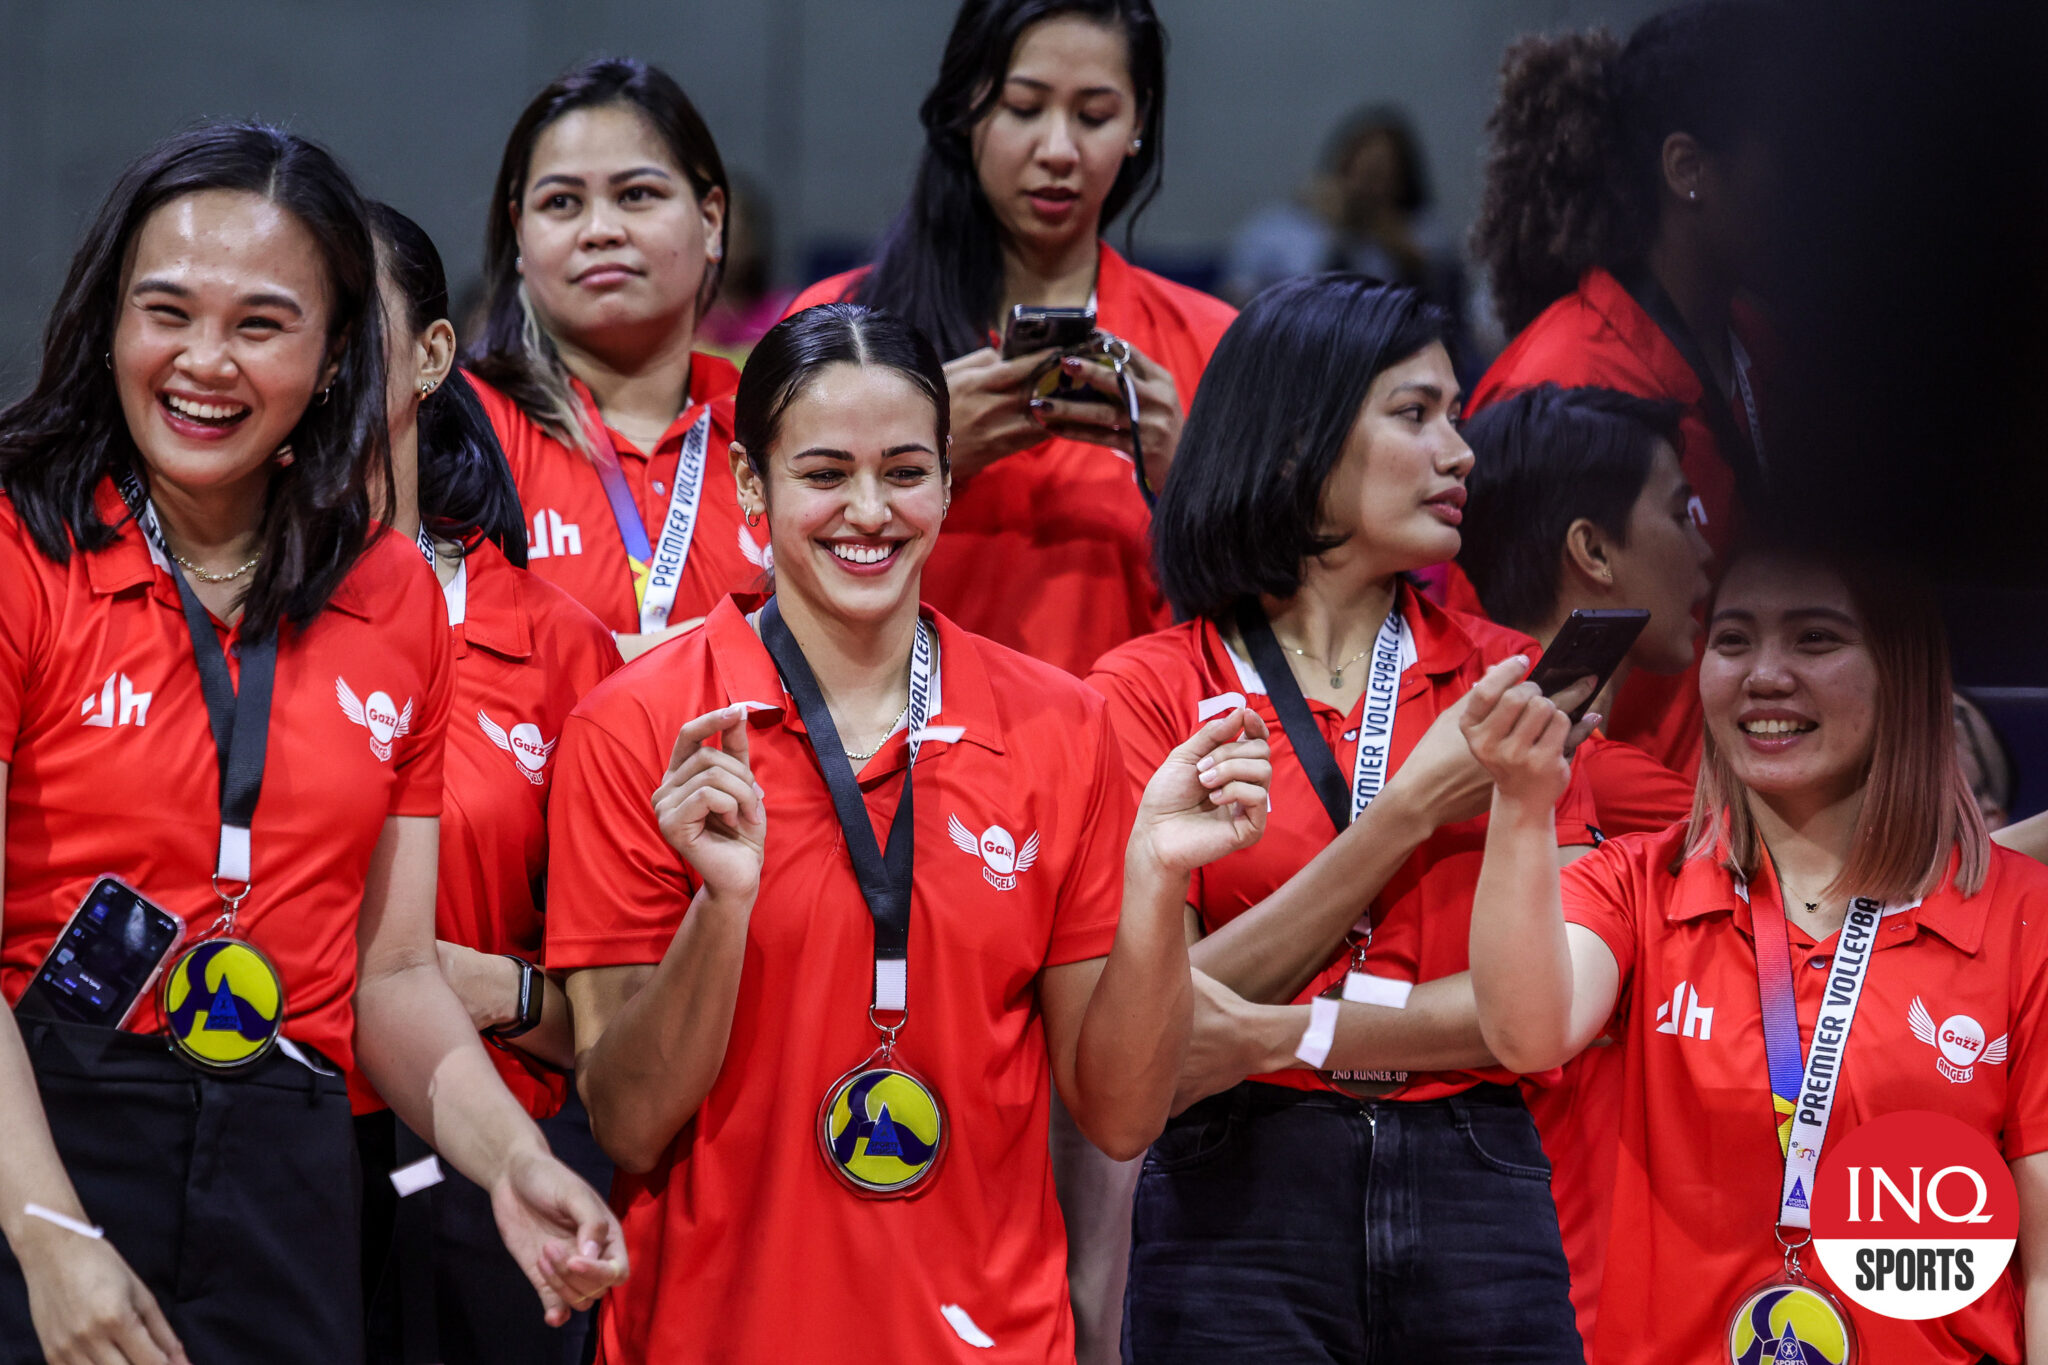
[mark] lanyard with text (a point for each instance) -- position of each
(881, 1127)
(222, 1000)
(657, 567)
(1392, 652)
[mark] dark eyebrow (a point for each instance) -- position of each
(1090, 93)
(1797, 613)
(823, 453)
(574, 182)
(157, 285)
(1430, 391)
(908, 448)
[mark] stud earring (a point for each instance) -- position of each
(1136, 143)
(283, 457)
(1693, 196)
(426, 389)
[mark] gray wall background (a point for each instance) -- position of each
(815, 99)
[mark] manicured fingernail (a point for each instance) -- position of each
(1206, 763)
(592, 1249)
(1038, 404)
(758, 791)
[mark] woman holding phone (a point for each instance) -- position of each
(843, 892)
(604, 247)
(186, 542)
(1353, 1173)
(1834, 851)
(1044, 127)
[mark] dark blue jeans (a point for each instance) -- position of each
(1294, 1226)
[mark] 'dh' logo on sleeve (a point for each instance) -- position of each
(1915, 1215)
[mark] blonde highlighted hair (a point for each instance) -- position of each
(1917, 806)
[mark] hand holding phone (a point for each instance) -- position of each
(1590, 644)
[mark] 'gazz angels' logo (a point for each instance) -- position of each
(384, 718)
(524, 744)
(1001, 859)
(1958, 1044)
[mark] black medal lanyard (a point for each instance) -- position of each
(240, 722)
(885, 877)
(1738, 451)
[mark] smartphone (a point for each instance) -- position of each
(1037, 329)
(106, 959)
(1591, 644)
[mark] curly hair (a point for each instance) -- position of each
(1575, 173)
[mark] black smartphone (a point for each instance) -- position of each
(1036, 329)
(106, 958)
(1591, 644)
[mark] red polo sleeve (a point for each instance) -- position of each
(2026, 1103)
(24, 623)
(1601, 891)
(1091, 897)
(616, 890)
(416, 765)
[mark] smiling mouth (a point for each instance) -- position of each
(1774, 729)
(865, 556)
(217, 415)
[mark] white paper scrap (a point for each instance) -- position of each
(1321, 1033)
(957, 1318)
(420, 1175)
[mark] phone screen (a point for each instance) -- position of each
(104, 959)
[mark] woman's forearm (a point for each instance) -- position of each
(488, 986)
(1438, 1030)
(1521, 960)
(1273, 950)
(1135, 1029)
(31, 1172)
(658, 1056)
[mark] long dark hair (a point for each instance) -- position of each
(785, 361)
(1575, 171)
(466, 492)
(1241, 514)
(68, 434)
(514, 354)
(941, 264)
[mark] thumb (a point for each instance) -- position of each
(733, 739)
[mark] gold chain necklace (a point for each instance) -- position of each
(205, 577)
(862, 758)
(1336, 670)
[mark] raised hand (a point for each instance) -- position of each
(1209, 796)
(1159, 412)
(710, 808)
(988, 396)
(1519, 735)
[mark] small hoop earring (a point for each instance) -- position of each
(753, 518)
(107, 359)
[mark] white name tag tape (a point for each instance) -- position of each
(1366, 989)
(70, 1224)
(965, 1327)
(1221, 704)
(420, 1175)
(1321, 1032)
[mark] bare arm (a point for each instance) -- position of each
(1117, 1027)
(1543, 988)
(2030, 1173)
(487, 984)
(650, 1041)
(416, 1046)
(87, 1305)
(2029, 836)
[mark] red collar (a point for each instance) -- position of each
(1639, 332)
(1706, 887)
(126, 562)
(496, 607)
(1442, 645)
(747, 672)
(711, 378)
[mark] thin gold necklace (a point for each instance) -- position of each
(862, 758)
(205, 577)
(1336, 670)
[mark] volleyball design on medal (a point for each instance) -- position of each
(1785, 1323)
(882, 1130)
(223, 1003)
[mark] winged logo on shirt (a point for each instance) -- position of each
(377, 713)
(1959, 1043)
(525, 745)
(1001, 859)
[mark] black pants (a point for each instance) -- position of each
(441, 1287)
(235, 1201)
(1293, 1226)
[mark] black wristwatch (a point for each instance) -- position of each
(532, 997)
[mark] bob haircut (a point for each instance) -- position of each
(466, 491)
(58, 443)
(941, 263)
(1917, 806)
(789, 356)
(1241, 513)
(515, 354)
(1543, 459)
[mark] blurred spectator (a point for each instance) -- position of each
(1986, 762)
(748, 303)
(1366, 209)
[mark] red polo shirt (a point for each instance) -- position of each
(745, 1246)
(1598, 334)
(1049, 551)
(1696, 1189)
(1155, 687)
(113, 768)
(572, 539)
(1579, 1114)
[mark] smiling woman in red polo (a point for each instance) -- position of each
(826, 979)
(1830, 811)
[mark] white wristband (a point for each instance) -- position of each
(1314, 1047)
(63, 1220)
